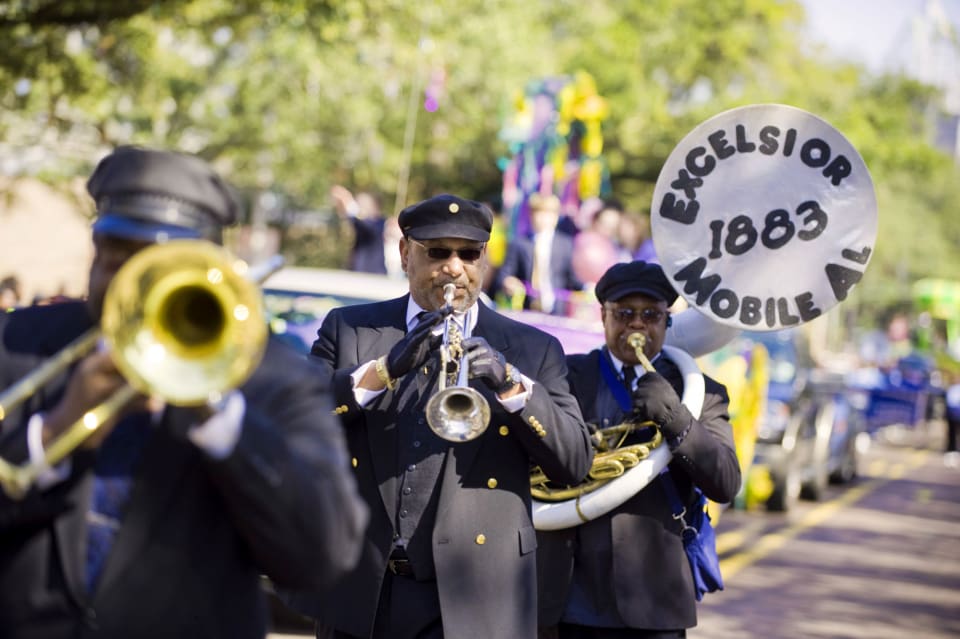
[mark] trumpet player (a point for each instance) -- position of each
(625, 574)
(450, 550)
(163, 521)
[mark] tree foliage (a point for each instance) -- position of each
(288, 97)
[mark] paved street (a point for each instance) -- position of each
(879, 558)
(876, 559)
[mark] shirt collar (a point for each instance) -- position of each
(618, 365)
(414, 309)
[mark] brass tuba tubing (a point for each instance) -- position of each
(155, 292)
(612, 458)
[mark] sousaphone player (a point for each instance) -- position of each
(625, 573)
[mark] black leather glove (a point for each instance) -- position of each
(488, 364)
(414, 349)
(655, 399)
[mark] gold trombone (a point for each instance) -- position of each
(612, 459)
(183, 321)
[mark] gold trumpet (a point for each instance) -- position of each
(183, 321)
(612, 459)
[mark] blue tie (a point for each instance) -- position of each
(113, 480)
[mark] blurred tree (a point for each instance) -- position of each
(287, 97)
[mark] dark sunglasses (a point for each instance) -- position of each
(442, 253)
(648, 315)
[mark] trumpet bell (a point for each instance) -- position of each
(184, 321)
(458, 414)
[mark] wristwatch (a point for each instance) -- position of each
(512, 378)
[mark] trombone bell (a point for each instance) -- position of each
(184, 321)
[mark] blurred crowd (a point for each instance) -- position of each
(552, 268)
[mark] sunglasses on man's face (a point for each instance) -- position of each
(648, 315)
(442, 253)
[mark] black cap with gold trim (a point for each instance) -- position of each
(447, 216)
(156, 195)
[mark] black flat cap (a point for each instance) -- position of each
(447, 216)
(630, 278)
(154, 196)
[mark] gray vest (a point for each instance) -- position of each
(420, 458)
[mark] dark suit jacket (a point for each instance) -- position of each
(487, 586)
(198, 533)
(518, 262)
(650, 578)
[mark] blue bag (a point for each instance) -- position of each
(699, 540)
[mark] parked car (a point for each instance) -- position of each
(298, 298)
(813, 429)
(907, 395)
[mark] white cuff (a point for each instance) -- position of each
(516, 403)
(218, 436)
(363, 396)
(48, 476)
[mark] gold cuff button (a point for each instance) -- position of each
(354, 462)
(504, 430)
(481, 539)
(492, 482)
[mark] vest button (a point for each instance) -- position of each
(354, 462)
(504, 430)
(481, 539)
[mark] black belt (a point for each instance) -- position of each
(399, 564)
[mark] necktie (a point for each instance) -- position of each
(416, 320)
(629, 376)
(113, 480)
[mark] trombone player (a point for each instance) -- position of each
(624, 575)
(450, 551)
(161, 522)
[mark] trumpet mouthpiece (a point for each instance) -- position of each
(449, 290)
(636, 340)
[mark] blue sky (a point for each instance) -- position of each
(874, 32)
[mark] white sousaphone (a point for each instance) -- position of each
(763, 217)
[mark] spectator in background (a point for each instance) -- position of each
(363, 212)
(951, 457)
(597, 249)
(497, 245)
(539, 269)
(633, 232)
(9, 293)
(391, 256)
(580, 220)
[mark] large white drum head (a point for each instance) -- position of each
(764, 217)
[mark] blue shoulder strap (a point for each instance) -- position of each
(610, 377)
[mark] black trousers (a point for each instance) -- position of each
(408, 609)
(572, 631)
